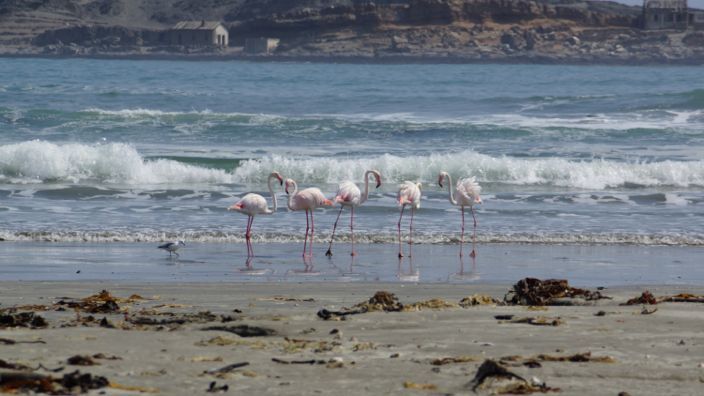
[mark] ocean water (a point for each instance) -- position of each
(146, 151)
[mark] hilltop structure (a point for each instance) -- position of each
(199, 33)
(671, 14)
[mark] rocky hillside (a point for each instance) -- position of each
(456, 30)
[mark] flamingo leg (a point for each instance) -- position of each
(352, 231)
(334, 227)
(312, 231)
(474, 234)
(250, 249)
(400, 250)
(305, 240)
(462, 232)
(410, 233)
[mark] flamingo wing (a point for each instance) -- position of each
(468, 190)
(409, 194)
(348, 194)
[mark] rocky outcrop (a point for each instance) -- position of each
(453, 30)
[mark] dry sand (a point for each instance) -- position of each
(377, 353)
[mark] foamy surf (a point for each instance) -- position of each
(41, 161)
(544, 238)
(593, 174)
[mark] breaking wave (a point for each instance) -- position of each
(594, 174)
(40, 161)
(117, 163)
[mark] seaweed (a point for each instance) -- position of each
(478, 299)
(490, 373)
(213, 388)
(383, 301)
(71, 383)
(244, 330)
(536, 292)
(23, 319)
(645, 298)
(81, 360)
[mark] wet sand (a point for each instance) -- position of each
(496, 263)
(660, 353)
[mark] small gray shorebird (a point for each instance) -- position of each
(172, 247)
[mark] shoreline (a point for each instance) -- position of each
(180, 338)
(373, 60)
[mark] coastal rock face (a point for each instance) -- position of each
(456, 30)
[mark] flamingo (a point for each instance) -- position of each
(408, 194)
(307, 199)
(254, 204)
(348, 194)
(466, 194)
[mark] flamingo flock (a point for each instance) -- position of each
(465, 195)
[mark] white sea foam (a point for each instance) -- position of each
(41, 161)
(36, 160)
(152, 236)
(594, 174)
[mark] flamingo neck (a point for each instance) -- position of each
(273, 196)
(291, 194)
(451, 196)
(365, 196)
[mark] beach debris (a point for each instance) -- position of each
(491, 369)
(307, 362)
(503, 317)
(453, 359)
(536, 292)
(225, 341)
(478, 299)
(214, 388)
(517, 360)
(227, 369)
(81, 360)
(104, 322)
(683, 297)
(244, 330)
(7, 341)
(23, 319)
(386, 302)
(294, 345)
(71, 383)
(14, 366)
(492, 375)
(536, 321)
(646, 311)
(434, 303)
(648, 298)
(286, 299)
(413, 385)
(645, 298)
(624, 394)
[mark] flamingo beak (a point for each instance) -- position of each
(440, 181)
(378, 182)
(281, 180)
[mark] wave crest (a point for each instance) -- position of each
(40, 161)
(594, 174)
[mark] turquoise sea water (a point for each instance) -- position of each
(99, 150)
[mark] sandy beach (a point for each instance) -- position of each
(158, 342)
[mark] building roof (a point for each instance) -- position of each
(196, 25)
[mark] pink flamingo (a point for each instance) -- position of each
(348, 194)
(466, 194)
(307, 199)
(408, 194)
(254, 204)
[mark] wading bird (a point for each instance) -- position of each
(172, 247)
(466, 194)
(408, 194)
(307, 199)
(254, 204)
(348, 194)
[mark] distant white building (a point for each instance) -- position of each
(260, 45)
(670, 14)
(198, 33)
